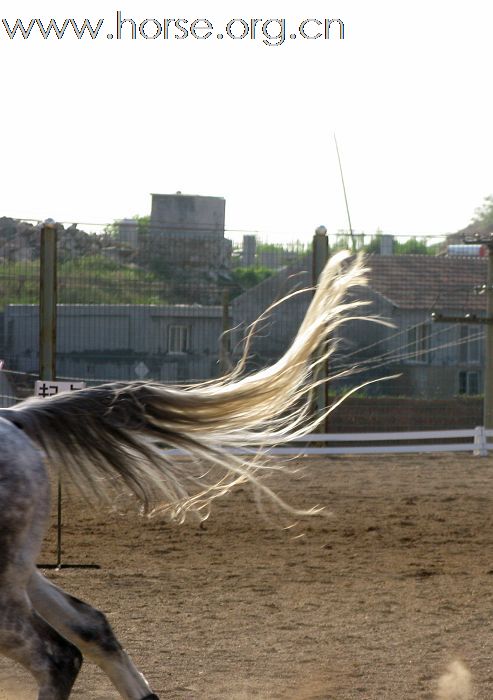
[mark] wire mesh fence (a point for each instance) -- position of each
(141, 299)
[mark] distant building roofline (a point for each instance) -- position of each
(188, 194)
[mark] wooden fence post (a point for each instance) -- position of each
(47, 301)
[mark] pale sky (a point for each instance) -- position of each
(91, 127)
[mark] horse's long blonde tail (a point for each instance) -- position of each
(116, 431)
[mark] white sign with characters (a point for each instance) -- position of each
(51, 388)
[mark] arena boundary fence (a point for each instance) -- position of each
(474, 440)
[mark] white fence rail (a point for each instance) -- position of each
(474, 440)
(477, 442)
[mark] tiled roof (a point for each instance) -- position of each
(429, 282)
(421, 282)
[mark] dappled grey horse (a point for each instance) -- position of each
(109, 440)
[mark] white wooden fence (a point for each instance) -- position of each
(474, 440)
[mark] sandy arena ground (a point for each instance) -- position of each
(372, 603)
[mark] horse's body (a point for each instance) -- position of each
(41, 627)
(107, 440)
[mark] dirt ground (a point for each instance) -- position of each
(371, 603)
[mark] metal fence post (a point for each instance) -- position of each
(47, 350)
(320, 256)
(488, 373)
(486, 240)
(47, 301)
(47, 332)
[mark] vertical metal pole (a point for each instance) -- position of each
(58, 562)
(488, 370)
(47, 331)
(351, 235)
(320, 256)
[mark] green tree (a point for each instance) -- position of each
(142, 225)
(374, 245)
(483, 215)
(246, 277)
(413, 246)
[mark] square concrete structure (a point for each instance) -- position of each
(186, 243)
(188, 214)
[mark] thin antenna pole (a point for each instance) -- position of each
(345, 196)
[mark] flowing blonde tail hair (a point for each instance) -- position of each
(111, 436)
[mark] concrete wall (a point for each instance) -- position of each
(380, 414)
(436, 373)
(7, 391)
(113, 341)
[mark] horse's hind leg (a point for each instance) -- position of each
(28, 639)
(89, 630)
(24, 504)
